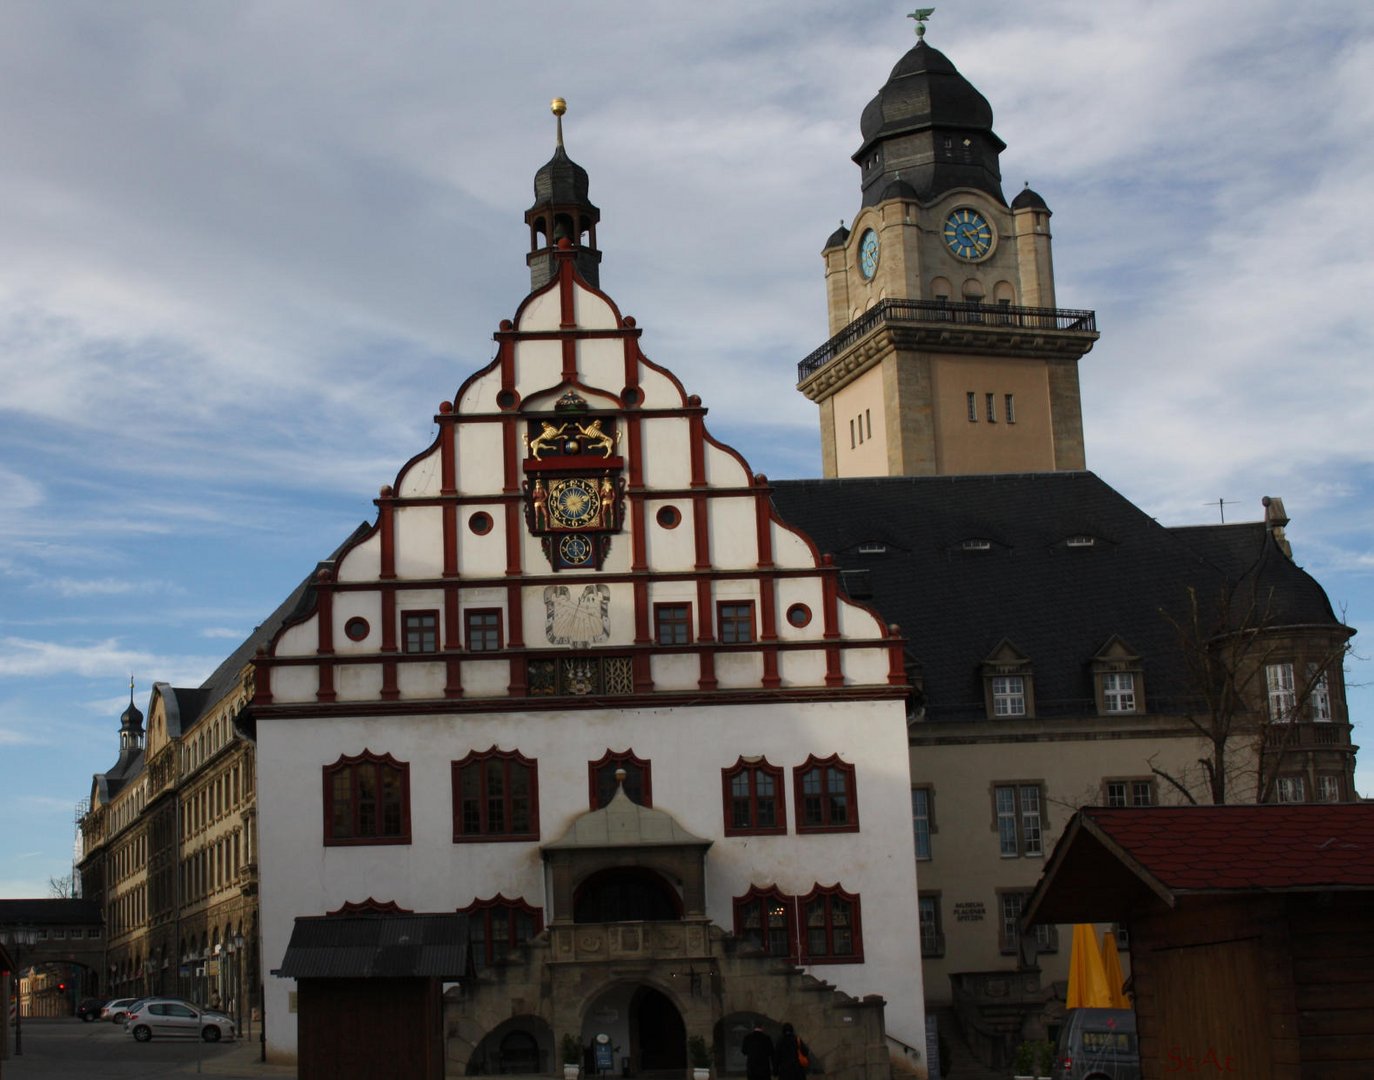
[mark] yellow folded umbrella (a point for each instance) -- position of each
(1087, 979)
(1111, 966)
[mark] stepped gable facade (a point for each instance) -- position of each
(578, 602)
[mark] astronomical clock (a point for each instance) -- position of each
(574, 492)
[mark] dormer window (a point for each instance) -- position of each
(1080, 541)
(872, 547)
(976, 544)
(1118, 680)
(1008, 685)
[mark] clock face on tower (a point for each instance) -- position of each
(868, 254)
(574, 502)
(968, 234)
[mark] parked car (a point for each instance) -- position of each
(89, 1009)
(1097, 1044)
(115, 1009)
(168, 1017)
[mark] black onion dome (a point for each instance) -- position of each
(838, 238)
(924, 88)
(1026, 199)
(931, 125)
(561, 181)
(131, 719)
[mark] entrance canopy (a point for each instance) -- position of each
(377, 946)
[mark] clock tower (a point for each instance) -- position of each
(948, 354)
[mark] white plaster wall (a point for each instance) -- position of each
(865, 666)
(538, 366)
(667, 453)
(424, 477)
(482, 556)
(735, 670)
(480, 394)
(358, 682)
(723, 469)
(800, 591)
(542, 311)
(734, 536)
(367, 605)
(688, 748)
(591, 311)
(856, 622)
(301, 639)
(669, 549)
(797, 668)
(601, 362)
(486, 678)
(660, 392)
(478, 454)
(789, 549)
(293, 684)
(675, 671)
(421, 681)
(419, 541)
(364, 562)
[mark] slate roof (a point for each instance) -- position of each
(968, 562)
(50, 912)
(1109, 860)
(377, 946)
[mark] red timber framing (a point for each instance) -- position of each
(463, 512)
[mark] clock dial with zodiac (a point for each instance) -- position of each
(573, 503)
(868, 254)
(968, 234)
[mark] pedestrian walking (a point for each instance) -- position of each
(758, 1054)
(791, 1057)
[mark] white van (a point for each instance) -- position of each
(1097, 1044)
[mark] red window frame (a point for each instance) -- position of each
(829, 914)
(674, 617)
(474, 801)
(359, 818)
(746, 797)
(737, 627)
(485, 915)
(421, 622)
(766, 905)
(479, 626)
(638, 778)
(816, 801)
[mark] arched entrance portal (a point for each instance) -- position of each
(660, 1036)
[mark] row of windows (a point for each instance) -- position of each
(63, 935)
(1010, 904)
(496, 796)
(220, 797)
(862, 427)
(1018, 813)
(1288, 701)
(1117, 694)
(990, 407)
(1293, 789)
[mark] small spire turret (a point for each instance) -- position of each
(562, 210)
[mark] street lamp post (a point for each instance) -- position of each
(237, 944)
(19, 937)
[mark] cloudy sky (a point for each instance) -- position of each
(247, 247)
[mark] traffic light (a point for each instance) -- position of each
(61, 988)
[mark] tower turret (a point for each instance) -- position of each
(562, 210)
(130, 726)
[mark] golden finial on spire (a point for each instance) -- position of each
(558, 107)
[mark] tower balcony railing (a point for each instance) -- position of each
(940, 311)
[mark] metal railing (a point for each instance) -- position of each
(939, 311)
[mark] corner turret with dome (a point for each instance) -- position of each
(562, 210)
(948, 354)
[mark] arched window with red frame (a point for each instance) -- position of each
(495, 797)
(498, 925)
(602, 782)
(366, 800)
(831, 927)
(826, 795)
(752, 791)
(766, 919)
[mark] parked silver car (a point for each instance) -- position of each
(165, 1017)
(115, 1009)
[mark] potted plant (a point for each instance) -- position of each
(699, 1054)
(1033, 1060)
(572, 1056)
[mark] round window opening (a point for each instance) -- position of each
(356, 628)
(630, 396)
(480, 523)
(668, 516)
(506, 399)
(799, 615)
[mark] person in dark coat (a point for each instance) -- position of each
(786, 1063)
(758, 1054)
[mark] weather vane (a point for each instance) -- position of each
(921, 15)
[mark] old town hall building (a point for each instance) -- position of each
(596, 736)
